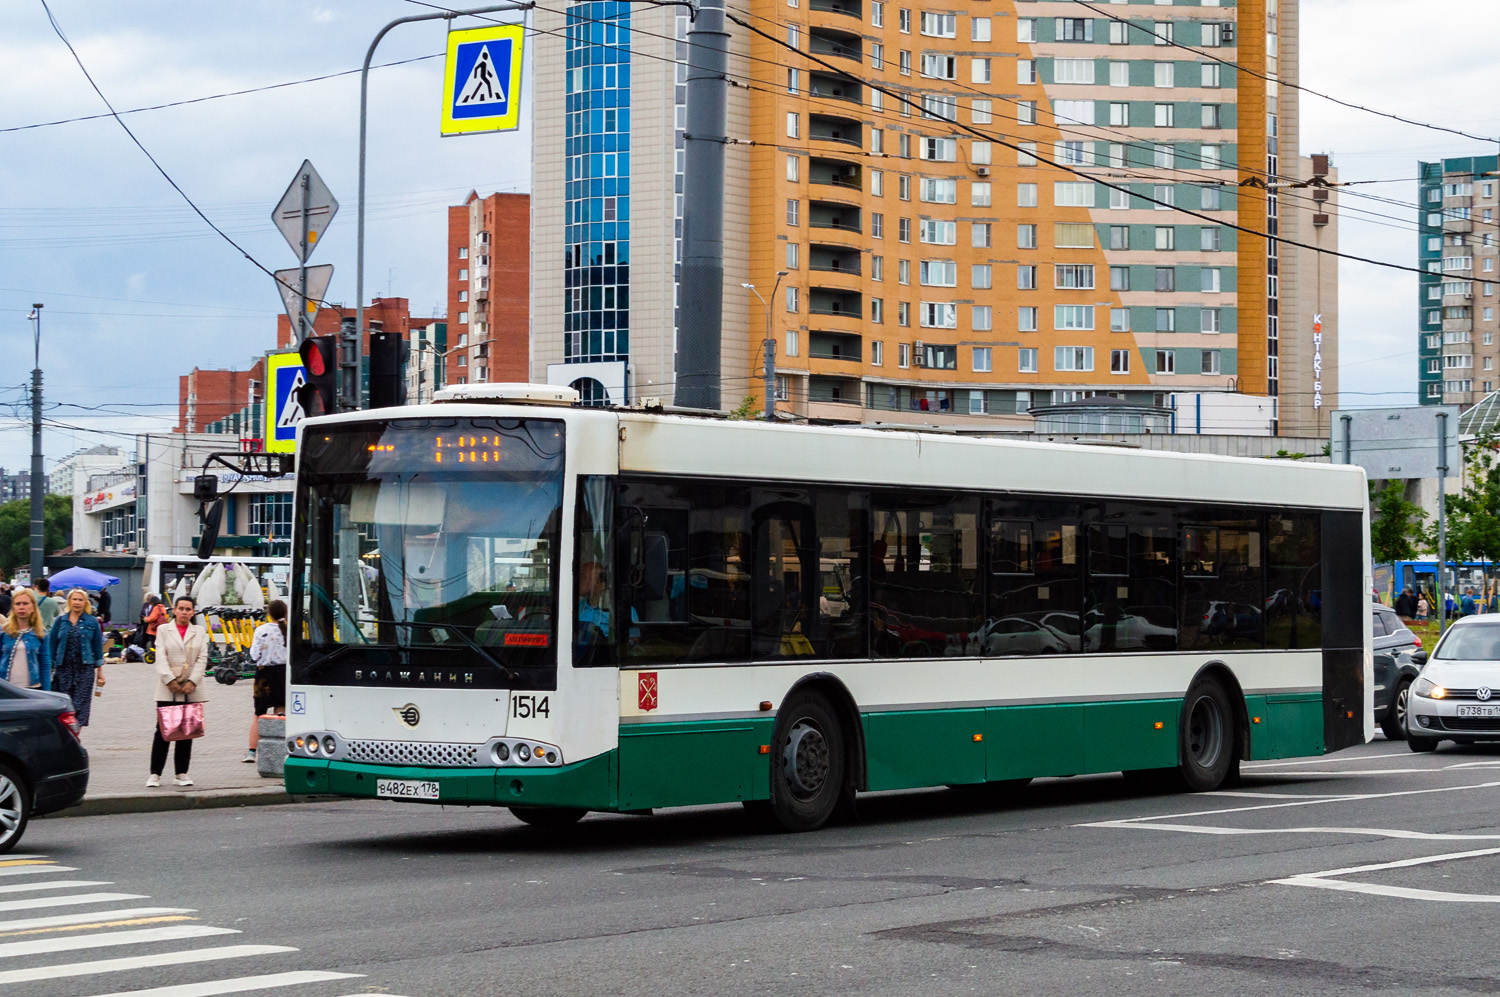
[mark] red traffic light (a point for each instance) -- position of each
(312, 359)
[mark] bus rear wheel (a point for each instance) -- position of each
(1207, 750)
(548, 816)
(808, 763)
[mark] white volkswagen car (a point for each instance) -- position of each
(1457, 695)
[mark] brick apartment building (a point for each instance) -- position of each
(489, 289)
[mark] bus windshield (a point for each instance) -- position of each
(426, 553)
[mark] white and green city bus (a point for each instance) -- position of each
(503, 598)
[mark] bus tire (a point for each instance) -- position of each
(548, 816)
(809, 763)
(1207, 747)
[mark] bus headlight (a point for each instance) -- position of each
(329, 744)
(502, 752)
(523, 752)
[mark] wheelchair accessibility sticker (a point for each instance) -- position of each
(299, 703)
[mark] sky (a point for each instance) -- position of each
(138, 290)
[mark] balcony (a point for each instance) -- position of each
(1461, 201)
(830, 215)
(839, 44)
(834, 259)
(1458, 225)
(835, 303)
(842, 347)
(1458, 325)
(835, 173)
(844, 390)
(833, 128)
(832, 87)
(849, 8)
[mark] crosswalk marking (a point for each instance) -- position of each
(80, 898)
(32, 870)
(239, 985)
(139, 962)
(137, 936)
(55, 884)
(100, 916)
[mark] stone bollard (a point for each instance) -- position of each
(270, 754)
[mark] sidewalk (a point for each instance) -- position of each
(118, 739)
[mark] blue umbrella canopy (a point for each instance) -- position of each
(82, 578)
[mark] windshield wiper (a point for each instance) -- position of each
(316, 665)
(509, 674)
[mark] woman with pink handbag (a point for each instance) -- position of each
(181, 660)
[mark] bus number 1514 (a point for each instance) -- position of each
(523, 707)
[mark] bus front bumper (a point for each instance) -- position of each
(589, 784)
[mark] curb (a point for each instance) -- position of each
(137, 803)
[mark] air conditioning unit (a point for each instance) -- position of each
(917, 359)
(983, 171)
(1226, 34)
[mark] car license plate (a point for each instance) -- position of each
(406, 789)
(1479, 711)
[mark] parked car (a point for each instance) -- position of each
(43, 765)
(1015, 635)
(1456, 697)
(1394, 674)
(1389, 634)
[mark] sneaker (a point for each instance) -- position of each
(249, 756)
(182, 780)
(153, 781)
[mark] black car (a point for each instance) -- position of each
(43, 765)
(1394, 674)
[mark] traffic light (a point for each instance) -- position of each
(320, 372)
(387, 385)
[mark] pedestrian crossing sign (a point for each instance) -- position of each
(285, 373)
(482, 84)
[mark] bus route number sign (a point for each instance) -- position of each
(524, 707)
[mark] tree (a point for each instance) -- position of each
(746, 410)
(1397, 528)
(1473, 527)
(15, 530)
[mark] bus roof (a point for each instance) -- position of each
(675, 444)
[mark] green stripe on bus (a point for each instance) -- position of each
(589, 784)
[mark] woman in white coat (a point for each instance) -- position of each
(181, 660)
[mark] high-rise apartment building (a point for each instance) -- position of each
(489, 275)
(1457, 354)
(961, 213)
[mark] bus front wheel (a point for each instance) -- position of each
(548, 816)
(808, 763)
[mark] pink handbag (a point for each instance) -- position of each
(180, 721)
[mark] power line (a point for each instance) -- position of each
(1201, 53)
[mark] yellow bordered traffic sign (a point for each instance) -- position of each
(482, 81)
(284, 375)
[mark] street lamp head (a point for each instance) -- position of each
(781, 273)
(750, 286)
(36, 304)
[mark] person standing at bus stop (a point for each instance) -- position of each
(76, 646)
(268, 651)
(181, 660)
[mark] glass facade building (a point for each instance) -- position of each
(596, 258)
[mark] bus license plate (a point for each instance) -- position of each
(1479, 711)
(406, 789)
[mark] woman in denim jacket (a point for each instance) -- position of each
(76, 646)
(32, 665)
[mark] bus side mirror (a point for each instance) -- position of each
(654, 566)
(211, 520)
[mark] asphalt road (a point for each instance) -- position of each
(1371, 869)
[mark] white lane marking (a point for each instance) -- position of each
(21, 858)
(139, 962)
(80, 898)
(1352, 797)
(1375, 889)
(32, 870)
(1379, 832)
(56, 884)
(89, 918)
(1277, 796)
(135, 936)
(1323, 760)
(1326, 881)
(237, 986)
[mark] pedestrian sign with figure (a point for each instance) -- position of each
(284, 372)
(482, 84)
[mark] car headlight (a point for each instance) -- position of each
(1429, 689)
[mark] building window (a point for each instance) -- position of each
(1026, 277)
(1025, 235)
(979, 70)
(1119, 113)
(1166, 237)
(1165, 115)
(1166, 361)
(1073, 276)
(1119, 278)
(1119, 361)
(877, 225)
(939, 25)
(1066, 317)
(978, 403)
(1166, 320)
(877, 183)
(1072, 358)
(1119, 237)
(1026, 195)
(903, 230)
(903, 271)
(1026, 360)
(980, 112)
(979, 194)
(792, 212)
(983, 322)
(1025, 153)
(1025, 29)
(877, 268)
(791, 255)
(463, 295)
(463, 274)
(979, 29)
(793, 343)
(1026, 317)
(982, 359)
(1025, 71)
(271, 516)
(1210, 363)
(1119, 74)
(463, 318)
(979, 276)
(793, 125)
(903, 355)
(791, 299)
(463, 252)
(1119, 320)
(793, 168)
(1212, 320)
(1166, 278)
(877, 353)
(877, 14)
(1210, 240)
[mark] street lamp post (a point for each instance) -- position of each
(769, 344)
(38, 494)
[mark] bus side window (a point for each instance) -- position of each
(595, 634)
(925, 592)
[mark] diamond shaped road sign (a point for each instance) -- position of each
(321, 207)
(318, 279)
